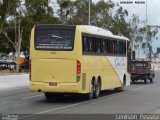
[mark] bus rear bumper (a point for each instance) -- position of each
(59, 88)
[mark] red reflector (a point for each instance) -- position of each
(30, 63)
(78, 67)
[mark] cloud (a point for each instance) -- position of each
(140, 10)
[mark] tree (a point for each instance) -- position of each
(149, 37)
(141, 36)
(37, 12)
(7, 9)
(12, 30)
(8, 28)
(73, 12)
(119, 25)
(102, 14)
(137, 34)
(76, 12)
(65, 11)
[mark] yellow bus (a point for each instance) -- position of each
(82, 59)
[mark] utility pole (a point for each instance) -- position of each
(146, 13)
(1, 1)
(18, 51)
(18, 44)
(89, 12)
(147, 38)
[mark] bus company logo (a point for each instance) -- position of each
(132, 2)
(119, 62)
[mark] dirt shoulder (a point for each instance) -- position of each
(11, 72)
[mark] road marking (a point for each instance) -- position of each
(60, 108)
(94, 101)
(31, 97)
(46, 111)
(119, 95)
(154, 111)
(3, 90)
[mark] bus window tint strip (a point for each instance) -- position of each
(100, 45)
(53, 39)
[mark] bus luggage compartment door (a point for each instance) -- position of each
(53, 70)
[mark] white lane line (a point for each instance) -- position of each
(46, 111)
(101, 100)
(31, 97)
(72, 105)
(9, 89)
(60, 108)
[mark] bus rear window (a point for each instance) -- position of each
(53, 39)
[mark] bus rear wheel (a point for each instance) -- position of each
(90, 95)
(120, 89)
(97, 90)
(48, 96)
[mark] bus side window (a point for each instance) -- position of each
(109, 46)
(125, 50)
(121, 48)
(101, 46)
(118, 47)
(85, 45)
(113, 47)
(94, 44)
(97, 45)
(104, 46)
(90, 44)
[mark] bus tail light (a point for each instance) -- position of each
(78, 67)
(78, 70)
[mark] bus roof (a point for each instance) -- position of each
(101, 32)
(89, 28)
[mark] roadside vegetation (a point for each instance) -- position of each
(18, 17)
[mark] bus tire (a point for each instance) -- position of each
(90, 95)
(97, 89)
(120, 89)
(48, 96)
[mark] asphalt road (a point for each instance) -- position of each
(138, 98)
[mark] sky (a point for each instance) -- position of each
(153, 7)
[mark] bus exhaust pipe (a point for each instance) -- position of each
(39, 90)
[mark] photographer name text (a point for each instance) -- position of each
(132, 2)
(137, 117)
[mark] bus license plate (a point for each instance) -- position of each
(52, 84)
